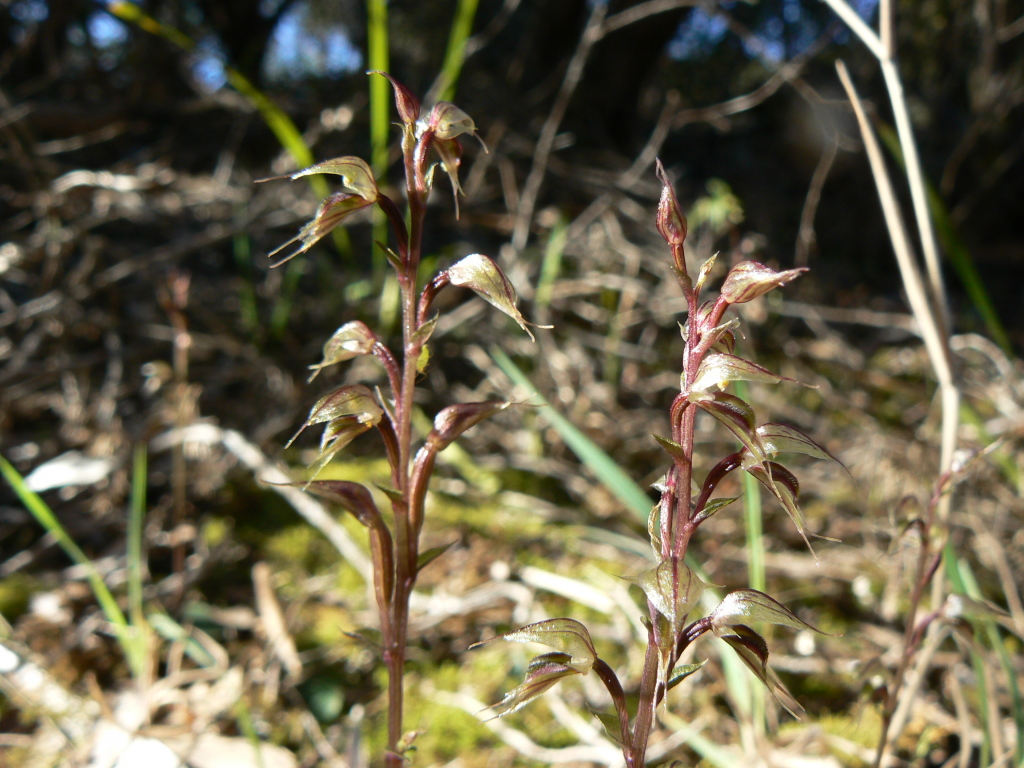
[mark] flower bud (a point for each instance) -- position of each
(671, 221)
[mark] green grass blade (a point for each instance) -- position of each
(248, 311)
(244, 719)
(136, 518)
(283, 305)
(551, 264)
(455, 55)
(41, 511)
(600, 463)
(380, 121)
(961, 577)
(173, 632)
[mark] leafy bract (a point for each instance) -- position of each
(673, 589)
(611, 725)
(713, 506)
(481, 275)
(350, 341)
(674, 449)
(567, 636)
(427, 556)
(682, 672)
(422, 334)
(542, 673)
(720, 368)
(705, 270)
(750, 279)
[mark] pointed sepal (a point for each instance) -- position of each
(350, 341)
(750, 279)
(332, 211)
(748, 606)
(782, 438)
(355, 174)
(452, 421)
(753, 651)
(719, 369)
(541, 674)
(480, 274)
(567, 636)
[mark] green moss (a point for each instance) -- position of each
(15, 592)
(216, 530)
(326, 626)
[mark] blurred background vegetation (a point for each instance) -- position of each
(136, 296)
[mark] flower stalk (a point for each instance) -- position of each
(672, 589)
(354, 409)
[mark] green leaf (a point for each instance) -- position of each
(675, 450)
(41, 511)
(481, 275)
(610, 474)
(427, 556)
(713, 506)
(683, 672)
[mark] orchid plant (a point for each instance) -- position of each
(348, 411)
(671, 588)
